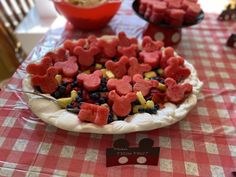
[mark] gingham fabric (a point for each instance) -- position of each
(202, 144)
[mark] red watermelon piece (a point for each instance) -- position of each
(137, 68)
(192, 12)
(68, 68)
(143, 85)
(129, 51)
(90, 81)
(119, 68)
(40, 68)
(122, 104)
(86, 56)
(176, 93)
(151, 58)
(168, 53)
(122, 86)
(176, 70)
(150, 45)
(71, 45)
(109, 48)
(93, 113)
(58, 55)
(174, 4)
(47, 82)
(124, 41)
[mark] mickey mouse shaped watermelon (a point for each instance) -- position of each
(97, 86)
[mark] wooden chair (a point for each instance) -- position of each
(11, 14)
(8, 59)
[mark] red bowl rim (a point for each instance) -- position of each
(90, 7)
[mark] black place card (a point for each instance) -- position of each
(122, 154)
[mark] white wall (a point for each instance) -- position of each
(36, 24)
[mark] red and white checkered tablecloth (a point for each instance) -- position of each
(203, 144)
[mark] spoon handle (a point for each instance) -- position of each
(34, 93)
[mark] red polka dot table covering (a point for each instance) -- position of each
(202, 144)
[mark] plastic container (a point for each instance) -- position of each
(88, 18)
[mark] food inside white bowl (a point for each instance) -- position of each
(113, 84)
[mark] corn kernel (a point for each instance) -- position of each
(103, 72)
(58, 77)
(87, 72)
(150, 74)
(105, 105)
(161, 87)
(73, 95)
(98, 66)
(149, 104)
(63, 102)
(160, 71)
(136, 108)
(141, 99)
(109, 74)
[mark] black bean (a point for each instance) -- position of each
(95, 96)
(79, 104)
(64, 84)
(120, 118)
(103, 100)
(79, 99)
(141, 110)
(73, 110)
(156, 107)
(79, 92)
(62, 89)
(161, 80)
(104, 89)
(110, 118)
(69, 106)
(103, 80)
(154, 78)
(74, 84)
(57, 94)
(151, 111)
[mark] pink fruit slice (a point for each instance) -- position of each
(47, 82)
(85, 56)
(151, 58)
(68, 68)
(168, 53)
(40, 68)
(149, 45)
(136, 68)
(175, 69)
(118, 68)
(122, 104)
(93, 113)
(122, 86)
(176, 93)
(124, 41)
(90, 81)
(58, 55)
(109, 49)
(71, 45)
(143, 85)
(130, 51)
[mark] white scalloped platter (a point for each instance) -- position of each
(51, 113)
